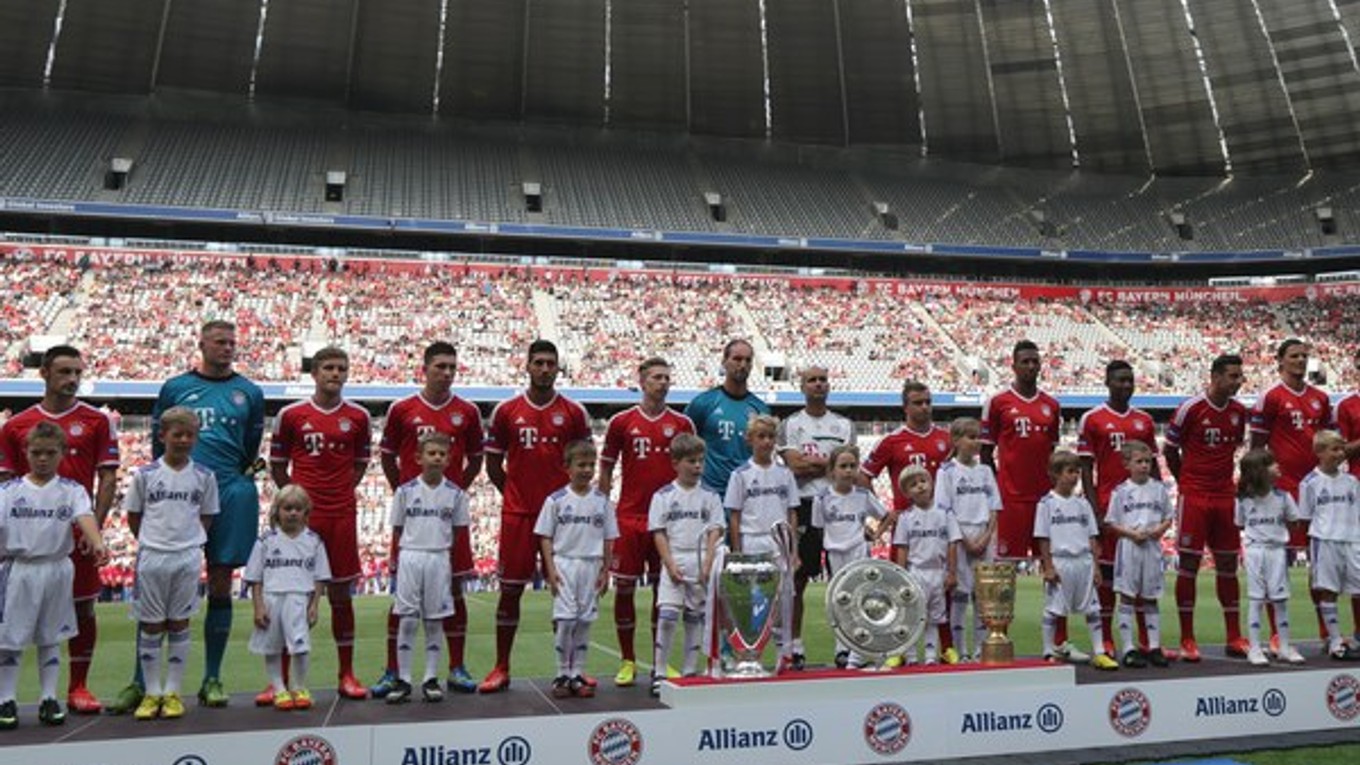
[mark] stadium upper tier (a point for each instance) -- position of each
(136, 312)
(395, 169)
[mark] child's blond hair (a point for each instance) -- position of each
(1326, 439)
(686, 445)
(292, 494)
(1061, 460)
(762, 421)
(910, 471)
(179, 417)
(579, 448)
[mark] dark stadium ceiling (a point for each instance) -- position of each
(1133, 86)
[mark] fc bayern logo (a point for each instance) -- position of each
(77, 429)
(307, 750)
(887, 728)
(558, 419)
(615, 742)
(457, 420)
(1343, 697)
(1130, 712)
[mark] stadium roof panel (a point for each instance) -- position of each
(26, 28)
(305, 52)
(1196, 87)
(209, 45)
(648, 77)
(108, 47)
(396, 47)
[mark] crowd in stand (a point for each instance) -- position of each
(867, 338)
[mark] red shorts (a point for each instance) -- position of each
(518, 548)
(1015, 529)
(461, 555)
(635, 552)
(1207, 520)
(1109, 543)
(341, 536)
(86, 585)
(1298, 536)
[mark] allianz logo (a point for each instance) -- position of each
(1271, 703)
(513, 750)
(1048, 718)
(797, 735)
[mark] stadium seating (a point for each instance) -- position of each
(264, 161)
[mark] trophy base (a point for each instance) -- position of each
(996, 653)
(747, 670)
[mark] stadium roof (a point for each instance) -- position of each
(1130, 86)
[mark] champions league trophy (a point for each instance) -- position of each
(751, 591)
(877, 608)
(994, 598)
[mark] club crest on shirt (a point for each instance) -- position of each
(456, 420)
(1046, 410)
(345, 425)
(558, 419)
(77, 429)
(668, 431)
(238, 398)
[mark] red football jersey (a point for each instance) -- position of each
(1290, 419)
(533, 438)
(1348, 422)
(904, 447)
(91, 442)
(643, 443)
(1024, 431)
(1208, 438)
(326, 447)
(1101, 435)
(412, 417)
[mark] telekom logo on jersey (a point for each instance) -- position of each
(1023, 426)
(314, 443)
(528, 437)
(641, 446)
(1213, 436)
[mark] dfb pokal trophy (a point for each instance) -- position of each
(749, 587)
(994, 594)
(876, 608)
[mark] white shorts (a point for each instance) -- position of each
(288, 631)
(36, 607)
(932, 581)
(963, 567)
(1138, 569)
(576, 596)
(839, 559)
(1075, 592)
(167, 585)
(1267, 573)
(1335, 566)
(688, 595)
(424, 584)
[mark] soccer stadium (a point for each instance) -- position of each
(894, 197)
